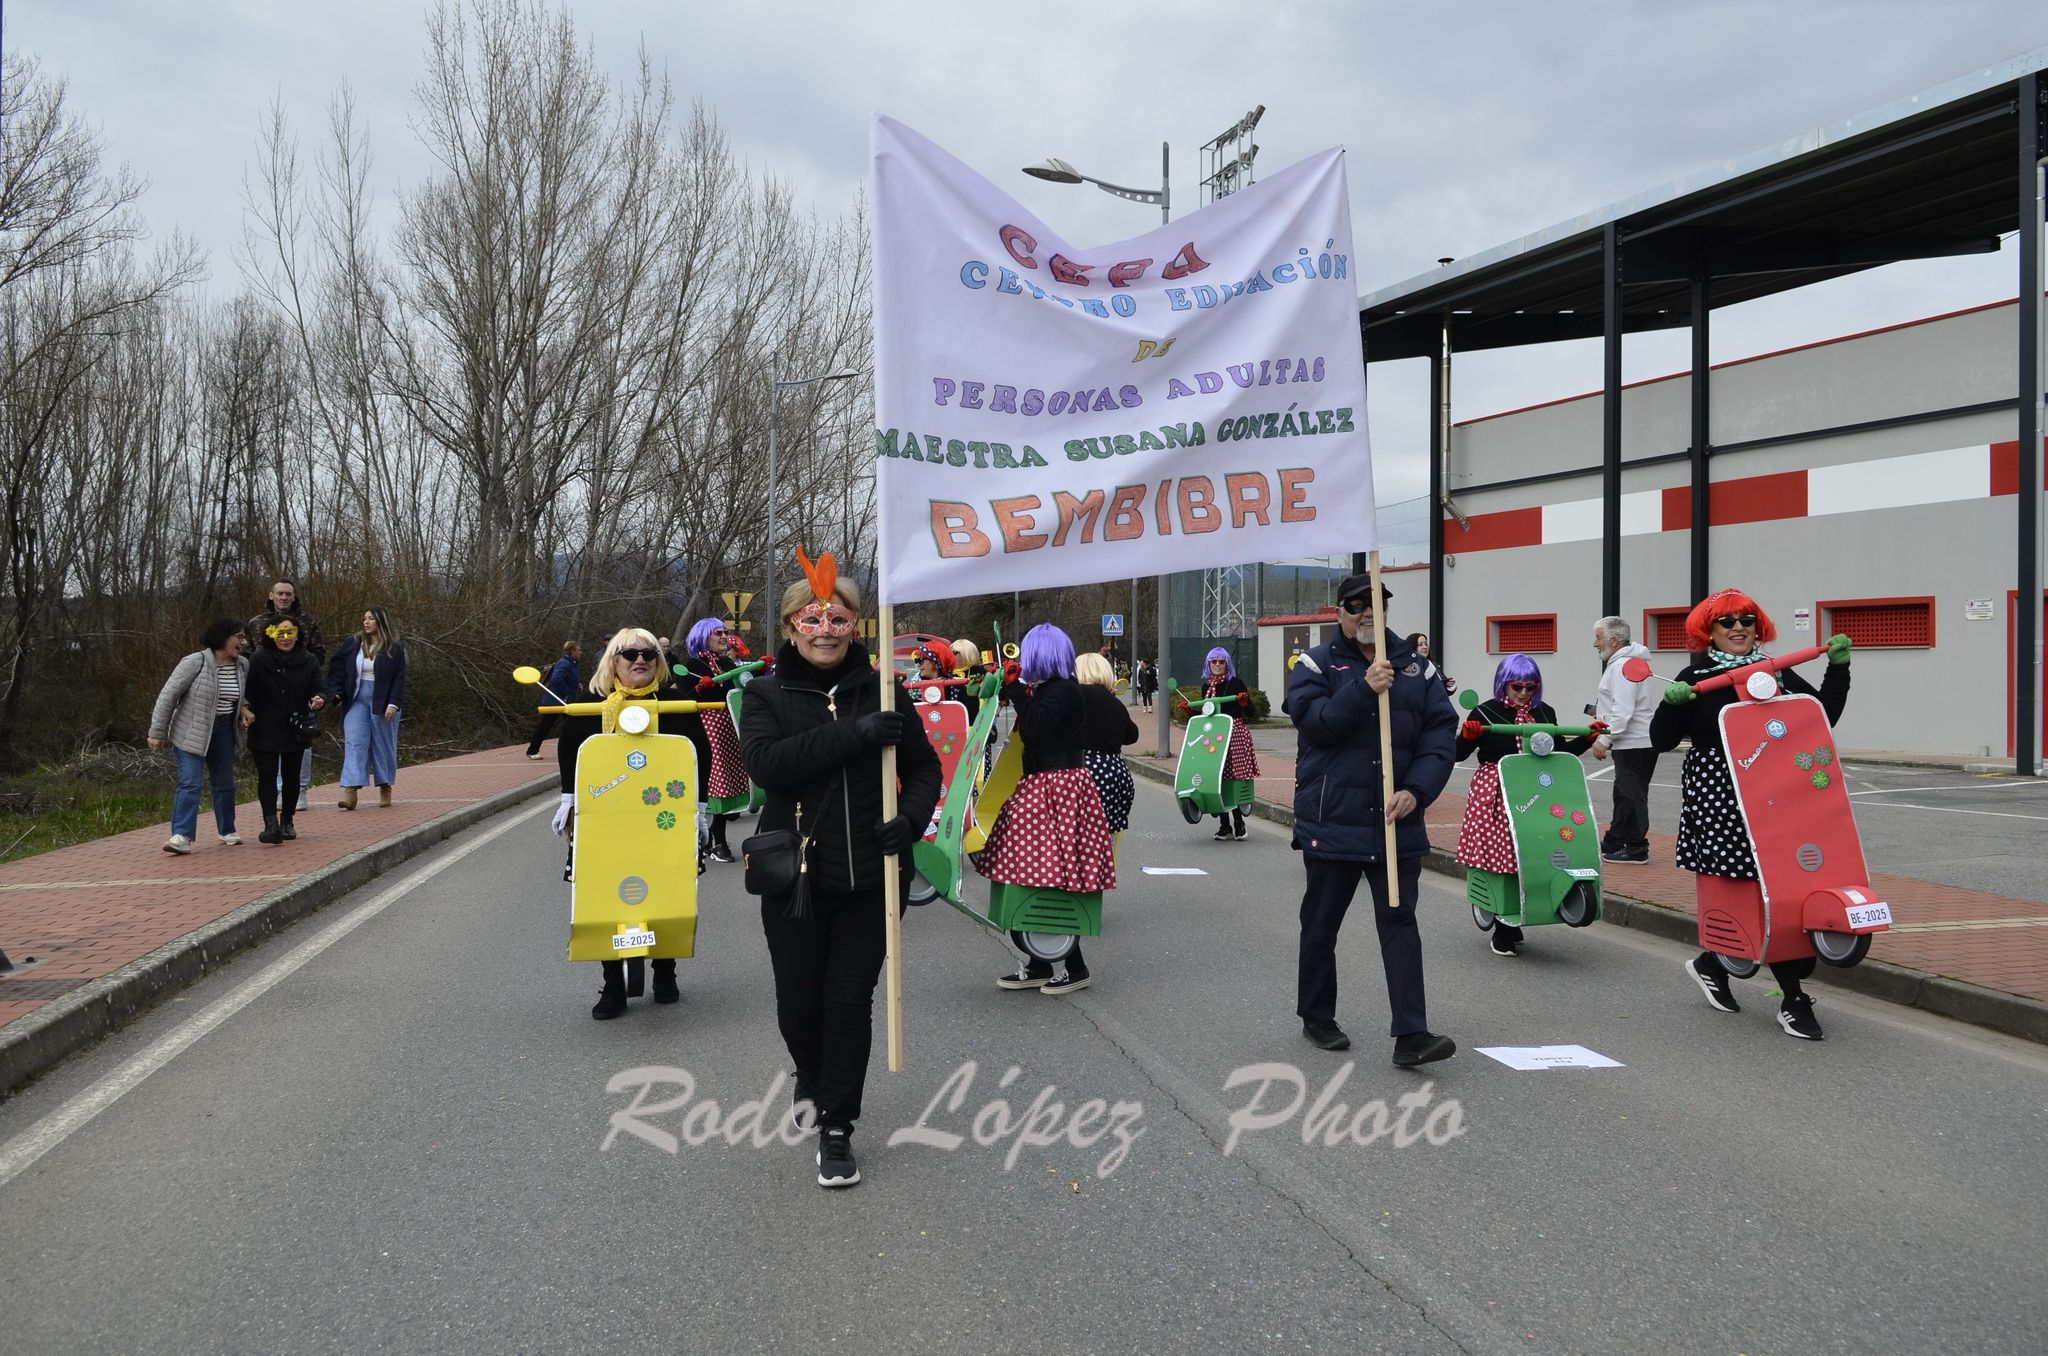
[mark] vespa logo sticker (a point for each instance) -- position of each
(1757, 753)
(597, 791)
(1519, 809)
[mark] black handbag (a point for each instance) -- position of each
(305, 725)
(778, 862)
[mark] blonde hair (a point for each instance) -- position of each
(967, 652)
(798, 596)
(1093, 668)
(601, 680)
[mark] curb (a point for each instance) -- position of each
(1965, 1002)
(34, 1044)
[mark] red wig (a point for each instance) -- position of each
(1699, 623)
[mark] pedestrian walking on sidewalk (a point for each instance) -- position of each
(812, 733)
(1341, 813)
(283, 604)
(284, 699)
(1626, 709)
(1486, 838)
(563, 679)
(1726, 631)
(199, 714)
(367, 681)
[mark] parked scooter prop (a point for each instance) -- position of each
(1198, 780)
(1557, 840)
(1813, 894)
(635, 846)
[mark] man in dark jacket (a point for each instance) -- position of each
(563, 679)
(811, 735)
(1340, 814)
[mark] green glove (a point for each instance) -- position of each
(1838, 649)
(1678, 694)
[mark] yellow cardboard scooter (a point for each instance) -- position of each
(635, 849)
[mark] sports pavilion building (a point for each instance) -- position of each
(1871, 485)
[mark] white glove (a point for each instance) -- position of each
(562, 813)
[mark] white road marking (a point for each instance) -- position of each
(1965, 786)
(1956, 810)
(24, 1149)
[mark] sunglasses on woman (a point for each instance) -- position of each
(1745, 620)
(1521, 687)
(636, 655)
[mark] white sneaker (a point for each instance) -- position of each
(179, 844)
(231, 839)
(302, 802)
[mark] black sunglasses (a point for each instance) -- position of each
(1747, 619)
(1353, 606)
(637, 654)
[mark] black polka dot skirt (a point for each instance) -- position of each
(1113, 782)
(1712, 840)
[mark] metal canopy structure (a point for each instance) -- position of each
(1943, 173)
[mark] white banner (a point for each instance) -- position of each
(1047, 415)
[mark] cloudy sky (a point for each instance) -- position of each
(1467, 123)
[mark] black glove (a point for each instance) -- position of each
(896, 835)
(877, 728)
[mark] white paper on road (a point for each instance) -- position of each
(1175, 871)
(1549, 1057)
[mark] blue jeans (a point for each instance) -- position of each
(219, 767)
(369, 745)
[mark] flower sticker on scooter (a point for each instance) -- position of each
(651, 796)
(1557, 812)
(676, 790)
(1578, 817)
(1824, 756)
(1820, 779)
(664, 820)
(1803, 761)
(1566, 834)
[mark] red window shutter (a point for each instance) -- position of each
(1883, 623)
(1667, 628)
(1526, 635)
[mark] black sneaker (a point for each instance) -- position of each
(1796, 1016)
(1069, 978)
(1223, 833)
(721, 853)
(1713, 982)
(1237, 824)
(1326, 1035)
(835, 1160)
(1504, 940)
(610, 1003)
(1422, 1047)
(1031, 974)
(665, 990)
(1640, 857)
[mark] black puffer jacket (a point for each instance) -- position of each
(799, 742)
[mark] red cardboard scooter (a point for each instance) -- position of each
(1813, 895)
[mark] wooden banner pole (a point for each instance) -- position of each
(1379, 641)
(892, 883)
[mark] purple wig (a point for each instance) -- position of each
(700, 635)
(1229, 664)
(1517, 668)
(1045, 653)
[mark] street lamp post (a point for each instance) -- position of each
(775, 385)
(1054, 170)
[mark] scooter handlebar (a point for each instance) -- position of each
(1555, 731)
(1774, 664)
(660, 708)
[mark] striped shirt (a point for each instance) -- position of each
(228, 684)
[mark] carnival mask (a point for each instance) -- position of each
(815, 618)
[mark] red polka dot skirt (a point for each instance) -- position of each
(1051, 834)
(728, 775)
(1485, 840)
(1240, 760)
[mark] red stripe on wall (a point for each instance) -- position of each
(1678, 508)
(1757, 499)
(1495, 531)
(2005, 466)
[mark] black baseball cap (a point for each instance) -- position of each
(1360, 586)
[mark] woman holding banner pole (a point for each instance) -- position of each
(820, 736)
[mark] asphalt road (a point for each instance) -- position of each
(400, 1144)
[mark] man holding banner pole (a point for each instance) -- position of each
(1351, 700)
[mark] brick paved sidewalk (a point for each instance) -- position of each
(86, 911)
(1989, 940)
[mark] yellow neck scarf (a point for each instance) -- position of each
(615, 700)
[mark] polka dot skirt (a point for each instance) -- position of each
(1113, 783)
(1485, 840)
(728, 775)
(1240, 760)
(1052, 834)
(1712, 840)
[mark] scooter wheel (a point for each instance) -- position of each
(1840, 949)
(1484, 919)
(1046, 946)
(1579, 908)
(1189, 810)
(1739, 967)
(921, 891)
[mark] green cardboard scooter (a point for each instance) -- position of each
(1557, 840)
(1198, 781)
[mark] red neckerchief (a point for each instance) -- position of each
(1210, 687)
(1524, 715)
